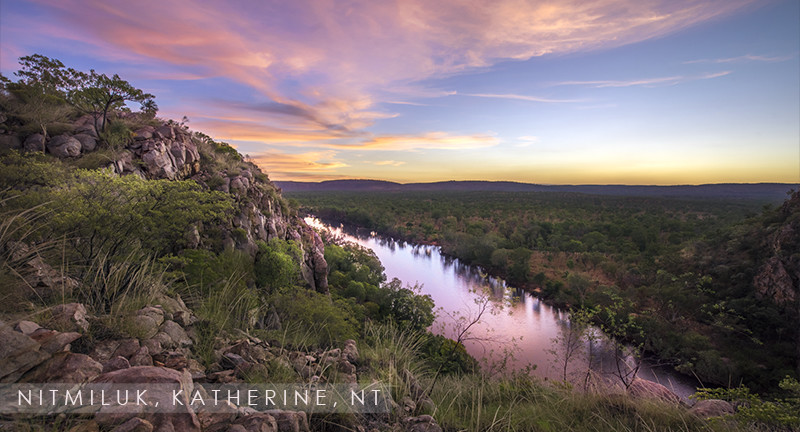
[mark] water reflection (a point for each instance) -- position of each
(520, 324)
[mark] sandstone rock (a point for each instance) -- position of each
(258, 422)
(153, 346)
(154, 312)
(88, 142)
(144, 326)
(65, 367)
(249, 352)
(423, 423)
(63, 146)
(346, 367)
(226, 376)
(217, 417)
(103, 351)
(144, 133)
(10, 142)
(157, 160)
(134, 425)
(47, 283)
(34, 143)
(183, 420)
(141, 357)
(26, 327)
(53, 341)
(176, 333)
(70, 316)
(18, 354)
(711, 408)
(350, 352)
(127, 348)
(88, 426)
(165, 132)
(290, 421)
(116, 363)
(172, 304)
(645, 389)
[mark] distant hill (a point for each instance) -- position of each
(768, 192)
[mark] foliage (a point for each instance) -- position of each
(104, 214)
(683, 267)
(277, 264)
(782, 413)
(92, 93)
(332, 320)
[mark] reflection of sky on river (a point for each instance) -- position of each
(524, 323)
(527, 321)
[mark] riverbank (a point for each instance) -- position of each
(523, 333)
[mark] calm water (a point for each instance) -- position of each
(516, 322)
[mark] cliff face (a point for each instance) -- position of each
(170, 151)
(778, 278)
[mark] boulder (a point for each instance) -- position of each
(53, 341)
(644, 389)
(181, 418)
(258, 422)
(143, 133)
(116, 363)
(350, 351)
(141, 357)
(88, 142)
(103, 351)
(290, 421)
(65, 367)
(154, 312)
(143, 326)
(10, 142)
(18, 354)
(47, 283)
(176, 333)
(88, 426)
(69, 316)
(64, 146)
(26, 327)
(127, 348)
(153, 346)
(423, 423)
(711, 408)
(135, 424)
(165, 131)
(34, 143)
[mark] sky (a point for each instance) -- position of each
(553, 92)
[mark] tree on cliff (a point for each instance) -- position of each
(91, 93)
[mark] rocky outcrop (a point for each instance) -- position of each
(778, 278)
(63, 146)
(711, 408)
(644, 389)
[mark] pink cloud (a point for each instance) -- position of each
(337, 61)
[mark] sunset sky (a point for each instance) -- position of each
(562, 92)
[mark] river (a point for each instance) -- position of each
(515, 322)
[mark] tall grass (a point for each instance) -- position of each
(475, 403)
(117, 286)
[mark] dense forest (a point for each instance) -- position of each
(682, 270)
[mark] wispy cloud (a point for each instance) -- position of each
(526, 141)
(742, 59)
(428, 141)
(388, 163)
(333, 62)
(519, 97)
(297, 165)
(645, 82)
